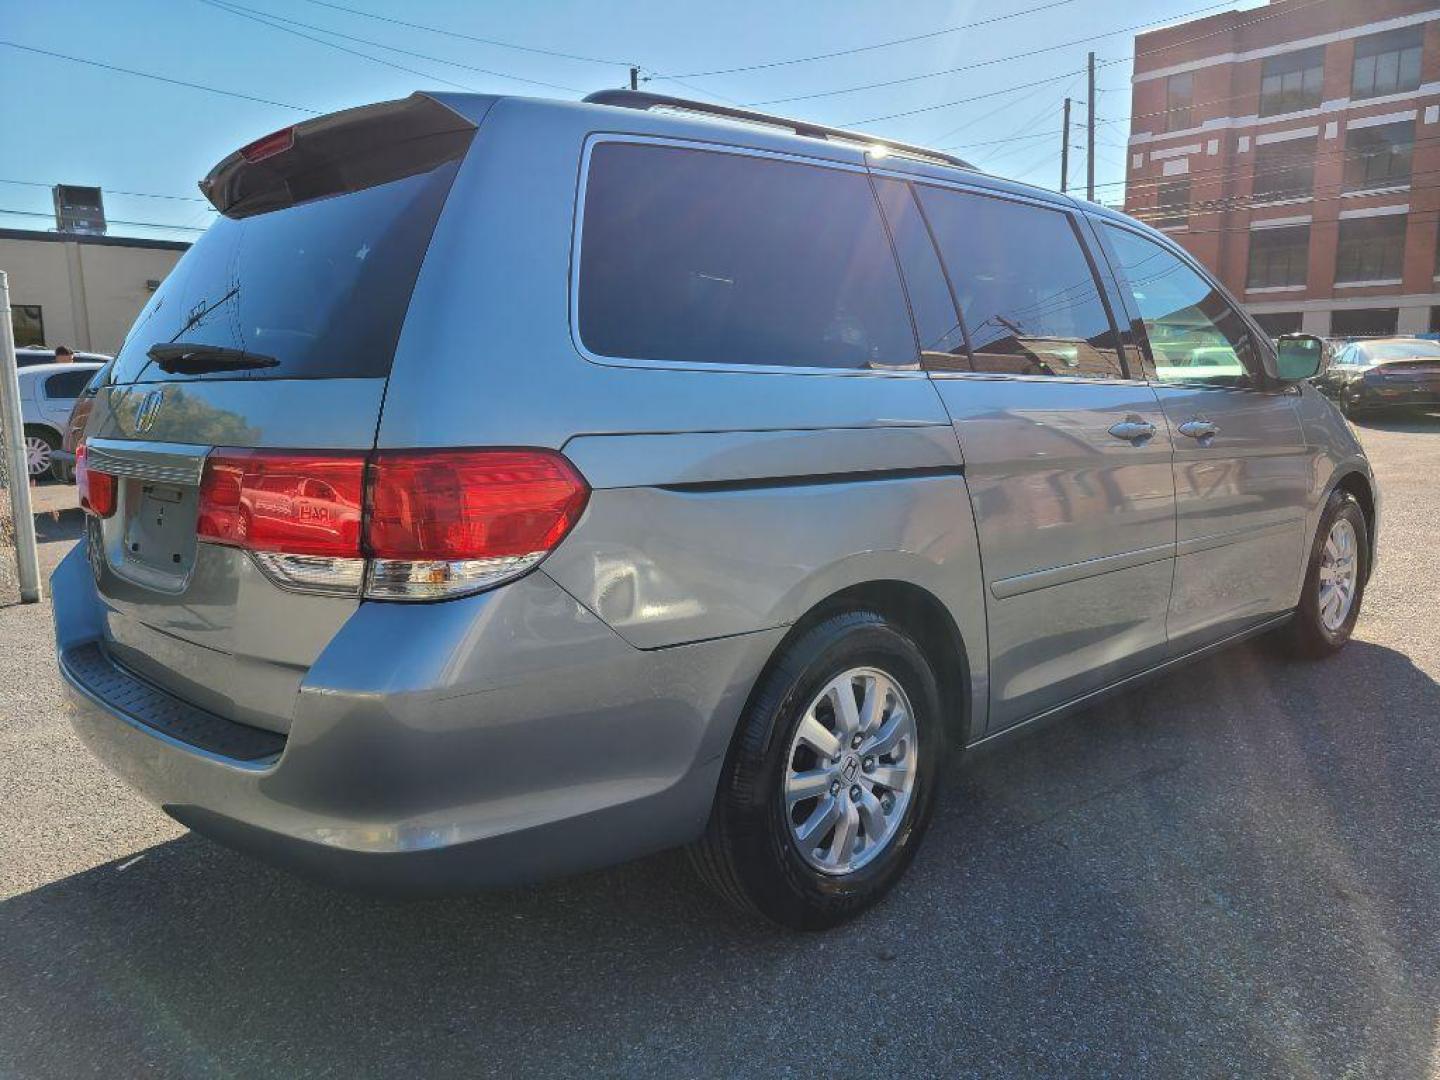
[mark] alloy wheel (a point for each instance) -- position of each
(1339, 574)
(850, 771)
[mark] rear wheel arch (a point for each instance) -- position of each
(920, 614)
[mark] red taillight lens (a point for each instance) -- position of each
(277, 142)
(449, 505)
(96, 489)
(282, 500)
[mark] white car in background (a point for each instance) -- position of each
(47, 394)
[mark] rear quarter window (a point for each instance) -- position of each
(68, 384)
(697, 256)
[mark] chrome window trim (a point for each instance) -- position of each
(1259, 339)
(1074, 216)
(578, 230)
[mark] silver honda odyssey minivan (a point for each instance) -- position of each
(503, 487)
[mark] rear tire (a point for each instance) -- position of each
(40, 447)
(1339, 560)
(752, 852)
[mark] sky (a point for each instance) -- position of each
(147, 142)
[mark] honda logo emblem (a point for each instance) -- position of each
(145, 414)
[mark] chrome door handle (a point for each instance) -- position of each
(1133, 430)
(1199, 429)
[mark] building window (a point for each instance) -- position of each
(1179, 97)
(1276, 323)
(1371, 249)
(1365, 322)
(1292, 81)
(1278, 257)
(1378, 156)
(1387, 63)
(29, 324)
(1285, 170)
(1173, 207)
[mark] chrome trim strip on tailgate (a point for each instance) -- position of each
(165, 463)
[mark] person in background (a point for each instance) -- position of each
(63, 355)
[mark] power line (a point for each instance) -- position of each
(905, 79)
(471, 37)
(160, 78)
(239, 9)
(869, 48)
(112, 221)
(967, 100)
(334, 45)
(1101, 64)
(112, 191)
(1339, 153)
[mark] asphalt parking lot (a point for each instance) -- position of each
(1233, 872)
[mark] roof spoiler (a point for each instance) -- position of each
(341, 152)
(644, 100)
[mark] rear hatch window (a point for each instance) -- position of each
(309, 270)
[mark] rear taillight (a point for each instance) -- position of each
(96, 489)
(442, 522)
(399, 525)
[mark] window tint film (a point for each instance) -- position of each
(1195, 335)
(717, 258)
(1026, 290)
(942, 343)
(68, 384)
(321, 288)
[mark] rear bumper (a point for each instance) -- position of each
(1391, 395)
(495, 740)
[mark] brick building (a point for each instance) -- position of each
(1295, 150)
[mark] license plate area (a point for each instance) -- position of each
(157, 545)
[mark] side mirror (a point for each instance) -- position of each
(1299, 357)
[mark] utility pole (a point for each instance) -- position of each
(1090, 134)
(635, 76)
(1065, 149)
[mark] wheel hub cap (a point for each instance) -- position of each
(850, 771)
(1339, 574)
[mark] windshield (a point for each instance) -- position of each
(320, 287)
(1396, 350)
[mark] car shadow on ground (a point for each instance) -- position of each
(1234, 869)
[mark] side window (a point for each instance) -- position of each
(942, 342)
(1195, 335)
(1027, 294)
(67, 384)
(717, 258)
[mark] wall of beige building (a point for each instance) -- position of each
(89, 292)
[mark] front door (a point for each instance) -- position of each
(1242, 469)
(1067, 457)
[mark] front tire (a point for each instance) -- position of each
(824, 799)
(1335, 581)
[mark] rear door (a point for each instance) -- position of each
(276, 330)
(1067, 457)
(1242, 466)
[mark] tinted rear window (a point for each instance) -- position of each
(322, 286)
(68, 384)
(716, 258)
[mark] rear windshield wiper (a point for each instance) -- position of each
(186, 358)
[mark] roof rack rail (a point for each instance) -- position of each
(644, 100)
